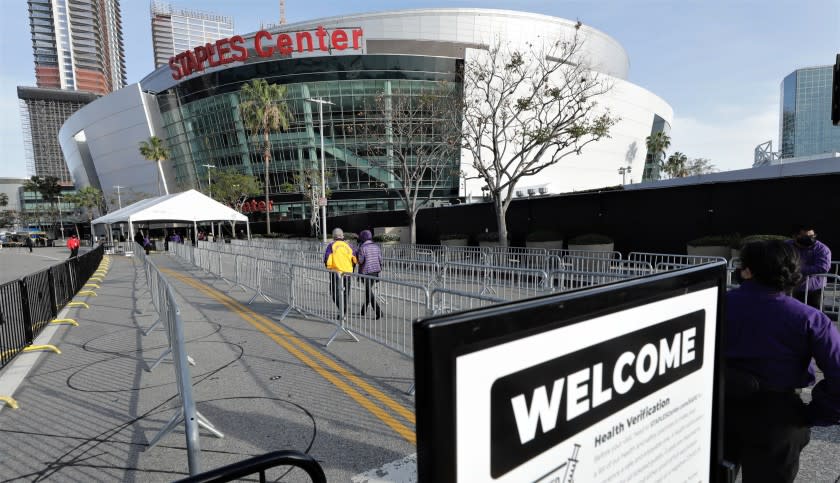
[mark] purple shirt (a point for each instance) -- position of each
(774, 337)
(813, 259)
(370, 258)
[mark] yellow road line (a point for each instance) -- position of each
(297, 348)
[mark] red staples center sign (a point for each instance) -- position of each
(234, 49)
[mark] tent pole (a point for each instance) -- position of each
(131, 234)
(248, 227)
(195, 234)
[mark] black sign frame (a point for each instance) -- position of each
(439, 340)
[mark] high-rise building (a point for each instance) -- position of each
(43, 111)
(78, 44)
(805, 127)
(175, 30)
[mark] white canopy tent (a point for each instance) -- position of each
(187, 206)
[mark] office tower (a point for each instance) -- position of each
(77, 44)
(176, 29)
(805, 127)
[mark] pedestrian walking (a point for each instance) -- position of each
(339, 259)
(814, 258)
(771, 339)
(147, 244)
(73, 244)
(29, 243)
(369, 256)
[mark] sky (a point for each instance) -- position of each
(718, 63)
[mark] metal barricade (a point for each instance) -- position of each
(444, 301)
(503, 282)
(665, 262)
(427, 253)
(421, 272)
(563, 280)
(275, 281)
(472, 255)
(186, 413)
(15, 331)
(383, 310)
(516, 257)
(830, 300)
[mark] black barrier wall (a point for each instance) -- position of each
(27, 305)
(660, 220)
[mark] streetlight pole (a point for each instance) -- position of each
(209, 188)
(119, 198)
(321, 103)
(623, 172)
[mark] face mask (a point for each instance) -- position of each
(806, 240)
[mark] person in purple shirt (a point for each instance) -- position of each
(772, 341)
(370, 263)
(814, 257)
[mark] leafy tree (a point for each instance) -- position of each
(233, 188)
(49, 189)
(414, 141)
(676, 166)
(699, 166)
(527, 109)
(4, 200)
(657, 143)
(9, 217)
(679, 166)
(155, 150)
(264, 110)
(88, 198)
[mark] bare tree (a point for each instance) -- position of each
(413, 144)
(525, 109)
(307, 182)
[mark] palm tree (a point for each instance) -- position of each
(47, 186)
(264, 109)
(657, 143)
(676, 166)
(155, 150)
(88, 198)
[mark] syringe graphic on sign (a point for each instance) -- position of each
(571, 464)
(568, 468)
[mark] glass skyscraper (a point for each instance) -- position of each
(176, 29)
(805, 127)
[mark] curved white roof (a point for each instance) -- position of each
(469, 27)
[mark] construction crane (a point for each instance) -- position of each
(282, 12)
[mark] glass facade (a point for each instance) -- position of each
(203, 125)
(805, 121)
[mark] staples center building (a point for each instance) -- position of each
(193, 104)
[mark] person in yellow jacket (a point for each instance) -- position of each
(339, 258)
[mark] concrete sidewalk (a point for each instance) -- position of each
(88, 414)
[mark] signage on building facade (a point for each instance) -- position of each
(233, 49)
(254, 206)
(598, 385)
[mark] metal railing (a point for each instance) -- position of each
(830, 297)
(29, 304)
(258, 465)
(169, 314)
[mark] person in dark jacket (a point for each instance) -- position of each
(28, 242)
(771, 340)
(370, 263)
(814, 258)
